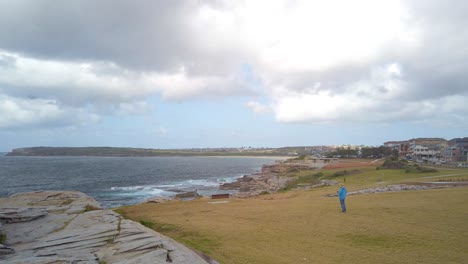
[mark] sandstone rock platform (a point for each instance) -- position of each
(268, 180)
(71, 227)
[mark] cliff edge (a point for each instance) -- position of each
(71, 227)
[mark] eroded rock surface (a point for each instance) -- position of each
(71, 227)
(15, 215)
(268, 180)
(158, 200)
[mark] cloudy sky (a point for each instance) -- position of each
(176, 74)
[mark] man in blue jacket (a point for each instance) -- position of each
(342, 195)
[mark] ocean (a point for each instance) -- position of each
(118, 181)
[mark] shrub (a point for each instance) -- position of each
(340, 173)
(89, 207)
(298, 158)
(147, 223)
(417, 168)
(344, 173)
(392, 163)
(426, 169)
(306, 179)
(292, 170)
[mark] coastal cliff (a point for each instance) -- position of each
(71, 227)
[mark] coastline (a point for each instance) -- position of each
(240, 156)
(126, 181)
(267, 180)
(145, 152)
(212, 228)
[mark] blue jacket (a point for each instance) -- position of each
(342, 193)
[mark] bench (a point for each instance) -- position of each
(220, 196)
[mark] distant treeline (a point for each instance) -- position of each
(139, 152)
(344, 152)
(365, 152)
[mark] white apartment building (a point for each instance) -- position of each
(423, 152)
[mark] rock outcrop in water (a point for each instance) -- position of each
(70, 227)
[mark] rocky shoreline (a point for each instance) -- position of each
(269, 180)
(70, 227)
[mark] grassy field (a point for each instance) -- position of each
(429, 226)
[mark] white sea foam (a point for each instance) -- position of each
(202, 183)
(149, 190)
(168, 189)
(129, 188)
(229, 179)
(168, 185)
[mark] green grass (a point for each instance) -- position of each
(148, 224)
(305, 179)
(375, 241)
(3, 238)
(197, 241)
(307, 226)
(191, 239)
(159, 227)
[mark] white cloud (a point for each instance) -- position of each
(383, 97)
(162, 131)
(135, 108)
(19, 113)
(93, 81)
(314, 61)
(320, 35)
(90, 86)
(258, 108)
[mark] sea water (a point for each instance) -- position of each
(117, 181)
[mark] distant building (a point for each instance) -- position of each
(432, 143)
(423, 152)
(432, 149)
(457, 150)
(403, 147)
(450, 154)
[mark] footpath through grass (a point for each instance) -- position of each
(307, 226)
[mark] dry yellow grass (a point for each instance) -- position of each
(307, 227)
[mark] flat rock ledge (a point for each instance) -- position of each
(70, 227)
